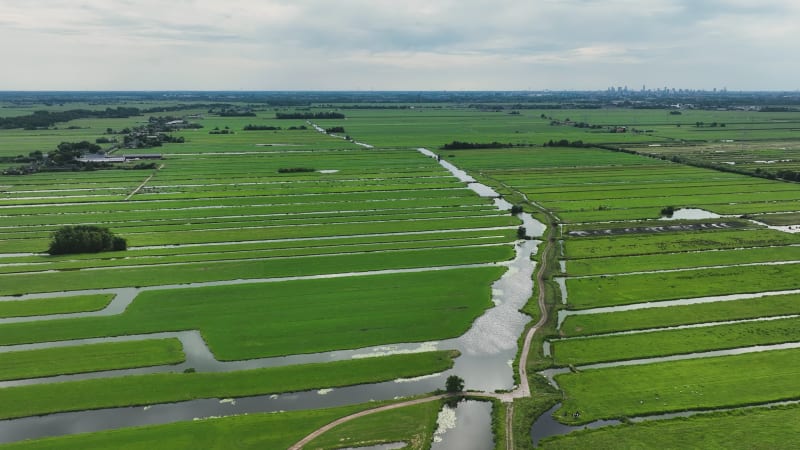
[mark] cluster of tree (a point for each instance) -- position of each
(778, 109)
(309, 115)
(295, 169)
(374, 106)
(225, 130)
(568, 122)
(459, 145)
(301, 127)
(668, 211)
(32, 156)
(236, 113)
(104, 140)
(85, 239)
(788, 175)
(45, 119)
(154, 133)
(63, 158)
(144, 140)
(712, 124)
(251, 127)
(566, 143)
(334, 130)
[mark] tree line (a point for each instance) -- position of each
(45, 119)
(459, 145)
(309, 115)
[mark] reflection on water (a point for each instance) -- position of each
(486, 348)
(691, 214)
(468, 426)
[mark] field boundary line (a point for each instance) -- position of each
(138, 188)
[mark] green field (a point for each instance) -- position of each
(138, 390)
(708, 383)
(413, 425)
(89, 358)
(304, 261)
(774, 428)
(770, 306)
(79, 303)
(670, 342)
(255, 431)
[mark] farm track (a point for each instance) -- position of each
(139, 188)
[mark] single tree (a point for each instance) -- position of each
(454, 383)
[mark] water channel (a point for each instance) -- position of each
(487, 349)
(464, 427)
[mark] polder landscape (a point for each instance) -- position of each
(601, 269)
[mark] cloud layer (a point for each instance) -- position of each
(410, 45)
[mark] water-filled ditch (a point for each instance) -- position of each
(487, 351)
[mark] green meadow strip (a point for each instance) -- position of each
(139, 390)
(46, 306)
(89, 358)
(725, 381)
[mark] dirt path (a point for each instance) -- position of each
(342, 420)
(138, 188)
(510, 426)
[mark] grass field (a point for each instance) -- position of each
(255, 431)
(138, 390)
(641, 319)
(89, 358)
(79, 303)
(304, 316)
(219, 209)
(775, 428)
(621, 290)
(680, 385)
(413, 425)
(670, 342)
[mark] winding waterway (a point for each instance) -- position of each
(487, 349)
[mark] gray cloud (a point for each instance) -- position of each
(383, 44)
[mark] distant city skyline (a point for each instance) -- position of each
(365, 45)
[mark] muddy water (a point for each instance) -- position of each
(464, 427)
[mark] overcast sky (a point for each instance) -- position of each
(398, 45)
